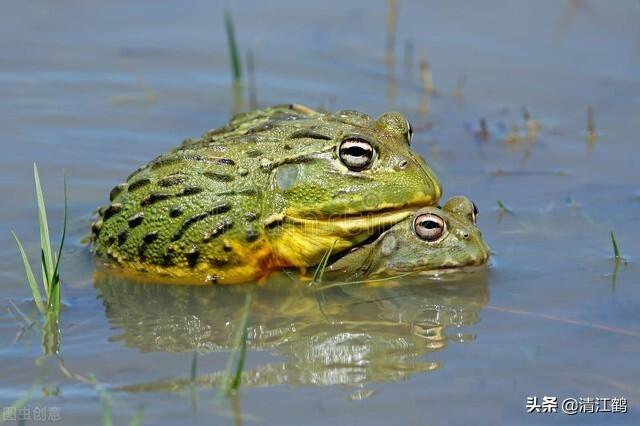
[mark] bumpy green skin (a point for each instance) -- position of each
(401, 250)
(223, 208)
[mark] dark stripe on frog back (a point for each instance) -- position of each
(138, 184)
(192, 255)
(147, 239)
(223, 226)
(178, 157)
(154, 197)
(309, 133)
(173, 179)
(266, 122)
(190, 221)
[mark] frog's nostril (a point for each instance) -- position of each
(465, 236)
(403, 164)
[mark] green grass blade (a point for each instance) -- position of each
(614, 243)
(53, 304)
(56, 270)
(236, 68)
(45, 241)
(503, 207)
(31, 279)
(137, 417)
(319, 272)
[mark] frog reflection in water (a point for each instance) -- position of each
(349, 334)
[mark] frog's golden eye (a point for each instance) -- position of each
(429, 227)
(356, 153)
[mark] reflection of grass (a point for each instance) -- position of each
(232, 377)
(18, 404)
(49, 261)
(107, 419)
(368, 281)
(194, 366)
(105, 400)
(194, 372)
(137, 417)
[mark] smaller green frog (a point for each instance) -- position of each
(433, 240)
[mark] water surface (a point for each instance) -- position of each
(98, 88)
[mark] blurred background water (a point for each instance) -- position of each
(96, 89)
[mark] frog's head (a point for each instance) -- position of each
(434, 239)
(356, 176)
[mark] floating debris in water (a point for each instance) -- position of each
(426, 77)
(483, 132)
(392, 20)
(408, 59)
(592, 135)
(457, 92)
(572, 203)
(530, 124)
(361, 394)
(513, 137)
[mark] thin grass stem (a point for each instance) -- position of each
(236, 68)
(322, 266)
(614, 243)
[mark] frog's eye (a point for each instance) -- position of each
(429, 226)
(357, 154)
(409, 132)
(476, 212)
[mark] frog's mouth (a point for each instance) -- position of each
(304, 237)
(370, 222)
(352, 222)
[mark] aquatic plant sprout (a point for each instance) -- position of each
(49, 261)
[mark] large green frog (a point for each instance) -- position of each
(433, 240)
(273, 188)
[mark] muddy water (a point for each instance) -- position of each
(98, 88)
